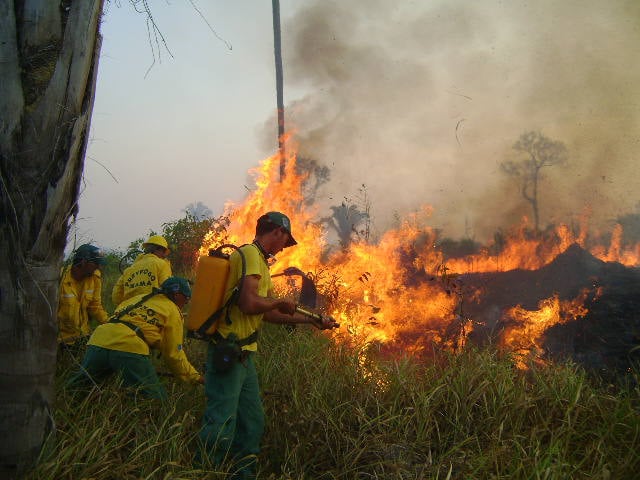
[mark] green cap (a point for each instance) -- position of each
(176, 285)
(90, 253)
(283, 221)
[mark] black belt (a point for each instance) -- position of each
(217, 337)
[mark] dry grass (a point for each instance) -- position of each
(336, 413)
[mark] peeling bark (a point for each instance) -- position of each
(49, 54)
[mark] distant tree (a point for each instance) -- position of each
(630, 224)
(536, 152)
(364, 203)
(346, 220)
(198, 210)
(317, 175)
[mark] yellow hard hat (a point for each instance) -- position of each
(156, 240)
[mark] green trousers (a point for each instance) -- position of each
(136, 370)
(233, 421)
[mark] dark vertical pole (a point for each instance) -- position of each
(280, 96)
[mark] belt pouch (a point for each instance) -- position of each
(226, 354)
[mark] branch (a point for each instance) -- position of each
(229, 46)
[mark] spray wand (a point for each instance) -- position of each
(318, 319)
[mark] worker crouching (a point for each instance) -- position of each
(142, 323)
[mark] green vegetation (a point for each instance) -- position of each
(338, 413)
(185, 236)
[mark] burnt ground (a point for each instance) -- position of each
(602, 341)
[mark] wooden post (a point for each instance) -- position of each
(279, 82)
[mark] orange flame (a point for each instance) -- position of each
(402, 290)
(525, 328)
(523, 251)
(274, 194)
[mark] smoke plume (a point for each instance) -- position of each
(421, 101)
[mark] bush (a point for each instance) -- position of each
(186, 236)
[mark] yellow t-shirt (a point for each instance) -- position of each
(78, 301)
(243, 324)
(162, 324)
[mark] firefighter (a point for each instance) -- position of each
(80, 297)
(147, 272)
(233, 421)
(122, 345)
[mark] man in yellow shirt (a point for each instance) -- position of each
(233, 421)
(148, 321)
(147, 272)
(80, 296)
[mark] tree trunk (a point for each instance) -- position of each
(48, 65)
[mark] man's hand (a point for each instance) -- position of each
(285, 306)
(326, 322)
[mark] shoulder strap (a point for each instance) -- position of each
(115, 318)
(137, 330)
(117, 315)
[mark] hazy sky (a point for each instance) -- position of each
(418, 100)
(190, 129)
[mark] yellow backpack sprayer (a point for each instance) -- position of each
(207, 296)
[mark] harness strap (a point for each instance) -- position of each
(137, 330)
(115, 318)
(120, 313)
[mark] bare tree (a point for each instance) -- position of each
(315, 176)
(537, 152)
(346, 219)
(198, 210)
(49, 60)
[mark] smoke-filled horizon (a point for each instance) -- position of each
(421, 103)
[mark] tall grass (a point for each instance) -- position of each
(336, 412)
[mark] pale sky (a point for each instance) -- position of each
(419, 100)
(188, 131)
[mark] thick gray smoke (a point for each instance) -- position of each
(422, 100)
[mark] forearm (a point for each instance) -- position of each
(321, 322)
(182, 368)
(252, 303)
(274, 316)
(176, 360)
(256, 304)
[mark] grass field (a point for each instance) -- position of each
(336, 412)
